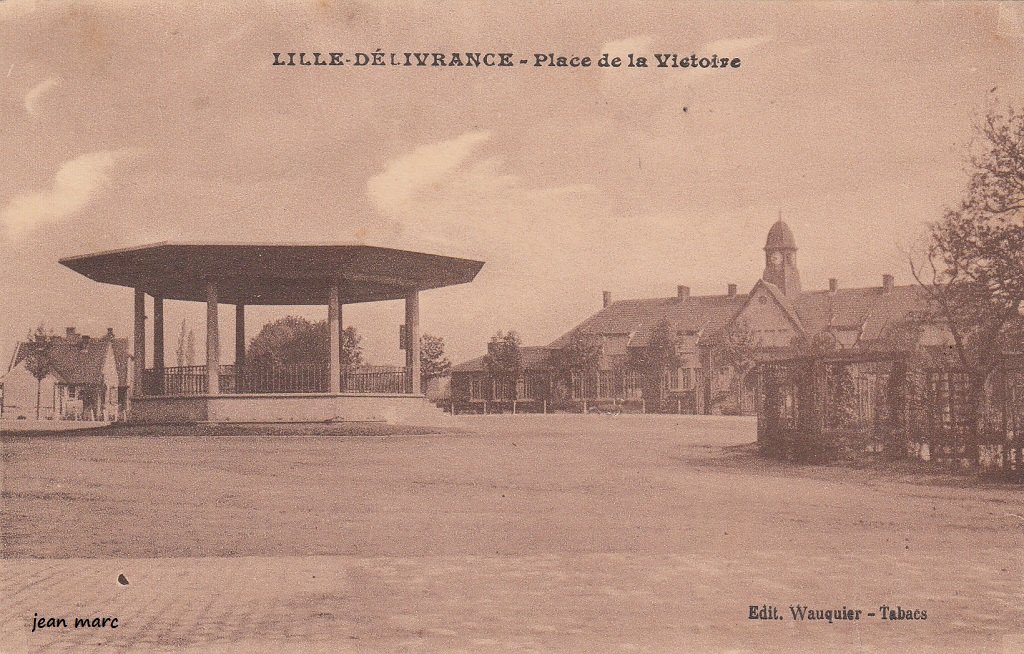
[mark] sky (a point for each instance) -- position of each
(125, 124)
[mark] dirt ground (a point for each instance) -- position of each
(504, 533)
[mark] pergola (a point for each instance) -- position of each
(270, 274)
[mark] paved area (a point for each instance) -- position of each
(509, 533)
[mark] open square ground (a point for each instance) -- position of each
(500, 533)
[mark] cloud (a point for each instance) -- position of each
(445, 197)
(38, 91)
(76, 183)
(420, 169)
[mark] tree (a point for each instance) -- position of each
(38, 361)
(973, 272)
(504, 359)
(190, 349)
(293, 340)
(351, 348)
(655, 360)
(185, 354)
(179, 353)
(582, 354)
(433, 362)
(736, 349)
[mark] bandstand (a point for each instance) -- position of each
(256, 274)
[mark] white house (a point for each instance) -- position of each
(87, 379)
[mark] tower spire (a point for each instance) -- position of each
(780, 259)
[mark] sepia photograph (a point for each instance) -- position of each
(572, 327)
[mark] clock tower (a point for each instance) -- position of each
(780, 260)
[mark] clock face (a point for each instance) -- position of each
(776, 258)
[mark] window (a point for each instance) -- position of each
(72, 392)
(476, 389)
(680, 379)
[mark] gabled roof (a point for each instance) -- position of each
(638, 318)
(534, 357)
(870, 310)
(76, 362)
(781, 299)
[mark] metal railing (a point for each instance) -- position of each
(255, 379)
(376, 379)
(180, 380)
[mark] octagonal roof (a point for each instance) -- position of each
(279, 274)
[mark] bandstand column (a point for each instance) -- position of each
(333, 328)
(158, 333)
(212, 342)
(412, 350)
(239, 336)
(139, 343)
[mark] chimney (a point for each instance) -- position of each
(85, 342)
(833, 284)
(887, 283)
(682, 292)
(606, 297)
(69, 332)
(732, 290)
(110, 332)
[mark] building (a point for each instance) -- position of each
(273, 274)
(774, 319)
(88, 379)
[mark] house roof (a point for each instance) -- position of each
(638, 318)
(871, 310)
(534, 357)
(79, 361)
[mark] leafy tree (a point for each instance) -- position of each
(660, 356)
(38, 361)
(736, 349)
(433, 362)
(351, 348)
(294, 340)
(841, 409)
(504, 359)
(974, 267)
(580, 355)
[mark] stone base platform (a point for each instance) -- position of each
(287, 407)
